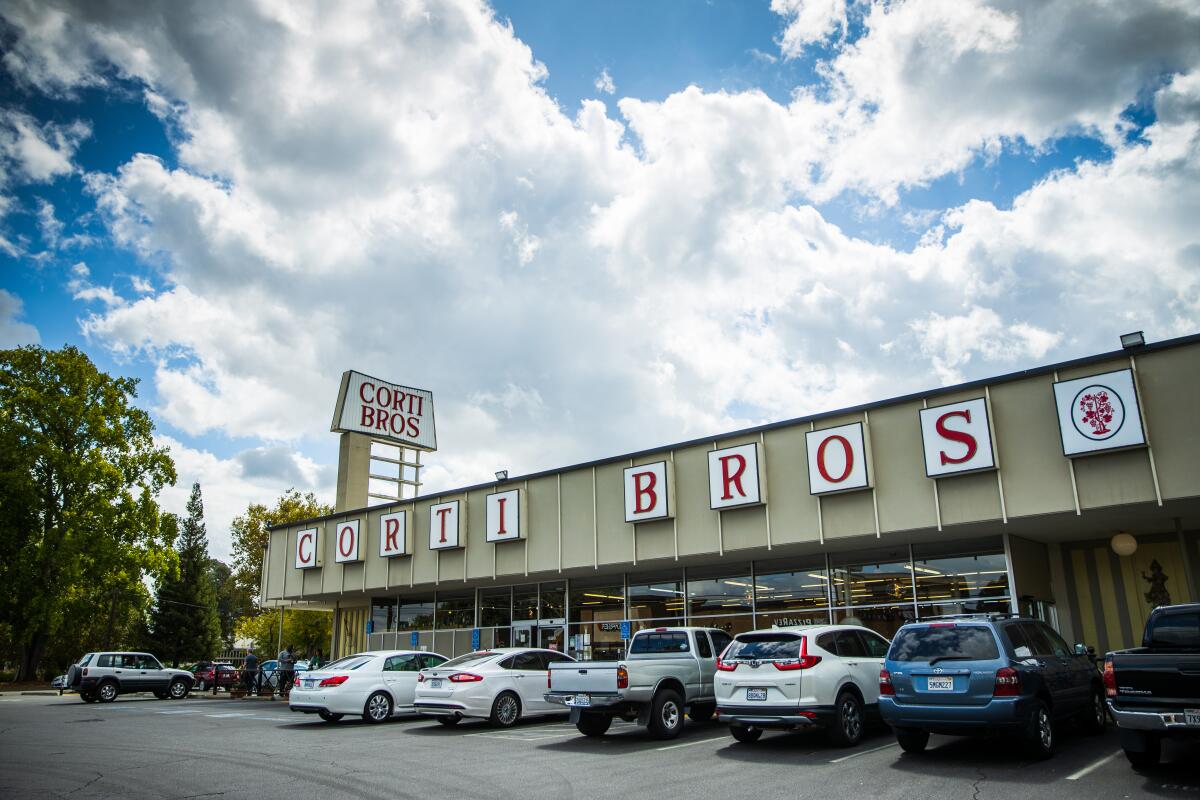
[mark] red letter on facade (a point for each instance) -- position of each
(300, 548)
(442, 512)
(640, 491)
(390, 529)
(734, 478)
(362, 392)
(343, 548)
(500, 501)
(962, 437)
(368, 417)
(821, 459)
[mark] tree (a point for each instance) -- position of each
(79, 525)
(307, 630)
(230, 604)
(185, 625)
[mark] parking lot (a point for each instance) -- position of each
(135, 747)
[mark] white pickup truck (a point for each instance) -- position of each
(668, 671)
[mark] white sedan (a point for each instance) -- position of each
(375, 685)
(501, 685)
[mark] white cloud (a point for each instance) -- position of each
(604, 82)
(14, 332)
(33, 152)
(808, 22)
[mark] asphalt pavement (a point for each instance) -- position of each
(145, 748)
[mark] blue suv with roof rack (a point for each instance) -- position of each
(987, 674)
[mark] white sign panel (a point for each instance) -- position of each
(505, 516)
(649, 490)
(443, 526)
(957, 438)
(837, 459)
(386, 411)
(395, 534)
(1098, 413)
(346, 542)
(736, 476)
(308, 551)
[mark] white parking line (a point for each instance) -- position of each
(1074, 776)
(185, 711)
(862, 753)
(689, 744)
(230, 714)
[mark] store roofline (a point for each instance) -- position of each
(1166, 344)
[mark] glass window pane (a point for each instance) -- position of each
(495, 607)
(597, 602)
(415, 614)
(525, 603)
(656, 596)
(878, 577)
(926, 611)
(794, 586)
(945, 573)
(455, 611)
(885, 620)
(849, 645)
(725, 590)
(553, 602)
(383, 614)
(599, 641)
(659, 643)
(789, 619)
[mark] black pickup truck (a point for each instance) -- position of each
(1154, 690)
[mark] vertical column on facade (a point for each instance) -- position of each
(828, 583)
(937, 500)
(1137, 391)
(987, 400)
(1012, 582)
(1071, 469)
(912, 576)
(687, 611)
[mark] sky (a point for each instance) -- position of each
(587, 228)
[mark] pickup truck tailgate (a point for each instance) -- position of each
(1157, 678)
(588, 677)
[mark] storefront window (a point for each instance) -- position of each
(928, 610)
(719, 590)
(455, 611)
(796, 588)
(732, 624)
(495, 607)
(525, 603)
(553, 601)
(944, 573)
(876, 577)
(600, 641)
(885, 620)
(383, 614)
(657, 596)
(415, 614)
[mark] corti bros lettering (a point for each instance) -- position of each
(308, 550)
(395, 534)
(650, 492)
(837, 459)
(505, 516)
(957, 438)
(346, 542)
(737, 476)
(444, 526)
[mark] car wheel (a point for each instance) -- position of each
(593, 724)
(161, 695)
(506, 710)
(87, 697)
(912, 740)
(847, 728)
(1149, 755)
(449, 722)
(666, 714)
(106, 692)
(1039, 736)
(701, 713)
(378, 708)
(329, 716)
(745, 734)
(177, 690)
(1096, 716)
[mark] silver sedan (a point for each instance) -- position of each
(502, 685)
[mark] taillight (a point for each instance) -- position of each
(725, 666)
(420, 677)
(805, 661)
(547, 680)
(885, 684)
(1110, 678)
(465, 677)
(296, 681)
(1008, 683)
(336, 680)
(622, 678)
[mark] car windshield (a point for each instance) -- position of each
(469, 658)
(944, 643)
(764, 647)
(1175, 630)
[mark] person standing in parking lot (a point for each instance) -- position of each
(287, 667)
(250, 672)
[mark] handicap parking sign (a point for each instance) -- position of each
(625, 629)
(413, 639)
(475, 639)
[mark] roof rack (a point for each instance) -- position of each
(978, 615)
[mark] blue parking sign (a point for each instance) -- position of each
(475, 639)
(625, 629)
(413, 639)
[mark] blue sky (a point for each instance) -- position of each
(848, 207)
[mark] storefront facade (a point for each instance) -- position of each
(997, 495)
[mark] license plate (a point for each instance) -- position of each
(1191, 716)
(310, 684)
(756, 694)
(435, 683)
(580, 700)
(941, 684)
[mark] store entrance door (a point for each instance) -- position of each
(553, 637)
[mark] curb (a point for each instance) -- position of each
(42, 694)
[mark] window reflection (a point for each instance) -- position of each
(495, 607)
(455, 611)
(415, 613)
(878, 577)
(656, 596)
(796, 587)
(944, 576)
(722, 590)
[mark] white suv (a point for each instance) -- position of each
(103, 676)
(822, 676)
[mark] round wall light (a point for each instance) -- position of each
(1123, 544)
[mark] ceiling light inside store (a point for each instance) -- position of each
(922, 569)
(668, 591)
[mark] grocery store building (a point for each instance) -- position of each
(1070, 492)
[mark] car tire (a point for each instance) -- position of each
(1040, 736)
(178, 690)
(107, 692)
(1095, 718)
(848, 720)
(912, 740)
(666, 715)
(701, 713)
(450, 721)
(378, 708)
(87, 697)
(506, 710)
(592, 724)
(329, 716)
(160, 695)
(745, 734)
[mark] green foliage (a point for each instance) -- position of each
(230, 603)
(308, 631)
(250, 534)
(79, 525)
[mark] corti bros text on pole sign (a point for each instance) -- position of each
(385, 411)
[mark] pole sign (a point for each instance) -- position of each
(957, 438)
(444, 526)
(736, 477)
(395, 534)
(505, 516)
(385, 411)
(475, 639)
(625, 632)
(413, 639)
(650, 491)
(308, 550)
(837, 459)
(1098, 413)
(346, 541)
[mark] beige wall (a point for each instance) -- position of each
(576, 516)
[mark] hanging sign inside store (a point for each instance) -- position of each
(957, 438)
(737, 476)
(444, 531)
(346, 542)
(505, 516)
(395, 534)
(385, 411)
(1098, 413)
(650, 492)
(308, 551)
(837, 459)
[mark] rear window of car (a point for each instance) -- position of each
(649, 643)
(950, 642)
(87, 659)
(471, 658)
(764, 647)
(1175, 630)
(349, 662)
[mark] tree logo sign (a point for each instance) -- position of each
(1098, 412)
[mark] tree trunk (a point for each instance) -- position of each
(31, 657)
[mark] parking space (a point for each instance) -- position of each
(147, 748)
